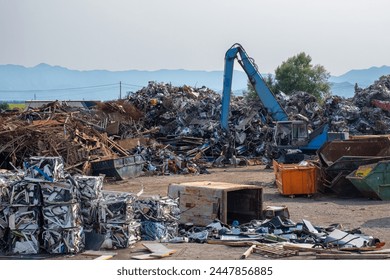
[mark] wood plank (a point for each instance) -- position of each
(162, 254)
(144, 257)
(383, 251)
(158, 250)
(352, 256)
(303, 248)
(274, 250)
(104, 257)
(232, 243)
(98, 253)
(248, 252)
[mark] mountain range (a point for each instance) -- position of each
(46, 82)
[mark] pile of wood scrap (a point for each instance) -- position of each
(78, 135)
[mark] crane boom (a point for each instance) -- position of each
(266, 96)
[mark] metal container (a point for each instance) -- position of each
(364, 147)
(373, 180)
(293, 179)
(120, 168)
(336, 173)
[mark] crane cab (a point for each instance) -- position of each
(291, 134)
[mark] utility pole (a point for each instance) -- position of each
(120, 90)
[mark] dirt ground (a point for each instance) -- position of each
(371, 216)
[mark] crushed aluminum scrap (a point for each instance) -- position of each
(159, 217)
(90, 187)
(90, 190)
(115, 219)
(63, 240)
(25, 193)
(59, 192)
(62, 216)
(116, 207)
(49, 211)
(47, 168)
(42, 210)
(120, 235)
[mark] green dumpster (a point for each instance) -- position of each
(372, 180)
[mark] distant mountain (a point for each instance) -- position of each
(344, 85)
(54, 82)
(345, 89)
(46, 82)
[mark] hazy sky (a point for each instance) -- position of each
(194, 35)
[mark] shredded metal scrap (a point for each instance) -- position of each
(90, 187)
(25, 193)
(62, 216)
(59, 192)
(159, 217)
(116, 207)
(46, 168)
(64, 241)
(24, 242)
(120, 235)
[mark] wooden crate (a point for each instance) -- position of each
(203, 202)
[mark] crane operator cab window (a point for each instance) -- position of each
(291, 133)
(300, 134)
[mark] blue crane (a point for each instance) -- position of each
(289, 134)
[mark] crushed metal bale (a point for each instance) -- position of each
(159, 217)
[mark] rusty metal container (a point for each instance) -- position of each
(293, 179)
(364, 147)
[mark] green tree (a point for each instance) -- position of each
(250, 94)
(298, 74)
(4, 106)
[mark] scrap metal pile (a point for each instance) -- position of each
(281, 229)
(366, 113)
(177, 129)
(188, 120)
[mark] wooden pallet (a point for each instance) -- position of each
(273, 251)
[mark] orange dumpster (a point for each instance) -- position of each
(294, 179)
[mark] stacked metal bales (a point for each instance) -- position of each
(24, 218)
(40, 210)
(62, 220)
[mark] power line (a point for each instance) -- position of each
(60, 89)
(132, 85)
